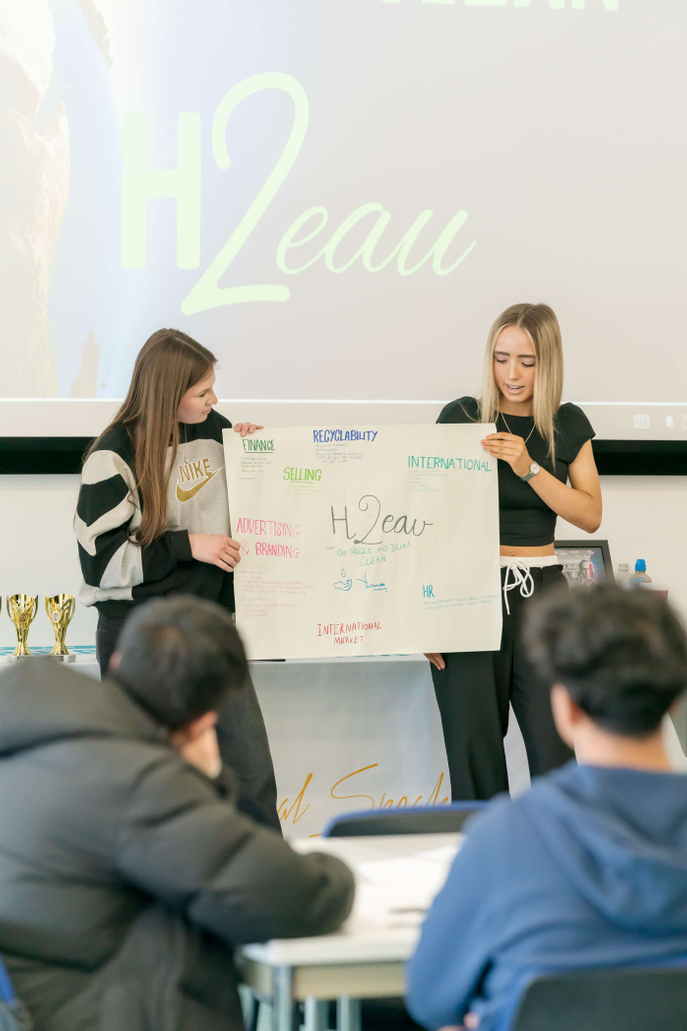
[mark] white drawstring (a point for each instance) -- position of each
(522, 578)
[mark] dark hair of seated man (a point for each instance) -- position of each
(179, 657)
(616, 657)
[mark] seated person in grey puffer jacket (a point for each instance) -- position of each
(126, 871)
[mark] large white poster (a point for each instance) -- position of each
(365, 540)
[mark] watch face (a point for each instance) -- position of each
(534, 468)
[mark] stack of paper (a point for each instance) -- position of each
(398, 891)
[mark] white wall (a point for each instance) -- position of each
(644, 517)
(38, 552)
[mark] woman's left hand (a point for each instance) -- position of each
(244, 428)
(509, 448)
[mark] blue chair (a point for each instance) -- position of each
(640, 997)
(13, 1015)
(440, 819)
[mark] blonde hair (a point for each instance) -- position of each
(169, 363)
(540, 324)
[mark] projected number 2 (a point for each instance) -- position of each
(206, 294)
(139, 183)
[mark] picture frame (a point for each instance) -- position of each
(585, 562)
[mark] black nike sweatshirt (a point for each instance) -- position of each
(117, 572)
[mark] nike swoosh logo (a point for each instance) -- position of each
(186, 495)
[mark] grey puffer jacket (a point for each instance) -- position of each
(126, 875)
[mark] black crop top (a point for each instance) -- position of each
(525, 520)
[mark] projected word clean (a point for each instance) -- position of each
(140, 183)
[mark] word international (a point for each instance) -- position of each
(323, 629)
(432, 462)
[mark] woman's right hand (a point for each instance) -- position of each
(215, 549)
(436, 659)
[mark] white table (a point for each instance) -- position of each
(366, 958)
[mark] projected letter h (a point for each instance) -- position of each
(139, 183)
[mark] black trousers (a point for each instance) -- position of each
(241, 731)
(473, 694)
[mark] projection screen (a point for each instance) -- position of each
(338, 198)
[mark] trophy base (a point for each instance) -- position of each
(19, 658)
(69, 657)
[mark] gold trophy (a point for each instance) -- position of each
(21, 608)
(60, 609)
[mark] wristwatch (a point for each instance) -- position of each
(534, 469)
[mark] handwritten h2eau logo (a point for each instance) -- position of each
(372, 506)
(141, 183)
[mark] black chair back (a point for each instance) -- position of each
(629, 999)
(442, 819)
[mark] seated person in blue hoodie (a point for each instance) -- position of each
(589, 867)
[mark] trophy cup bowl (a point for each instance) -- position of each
(60, 609)
(21, 608)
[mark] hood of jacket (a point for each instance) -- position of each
(43, 701)
(620, 836)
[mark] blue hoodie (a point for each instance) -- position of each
(588, 868)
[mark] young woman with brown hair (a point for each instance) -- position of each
(153, 519)
(540, 445)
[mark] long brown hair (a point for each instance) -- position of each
(540, 324)
(168, 364)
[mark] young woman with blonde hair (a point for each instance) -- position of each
(153, 519)
(540, 445)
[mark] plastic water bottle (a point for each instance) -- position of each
(640, 574)
(623, 577)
